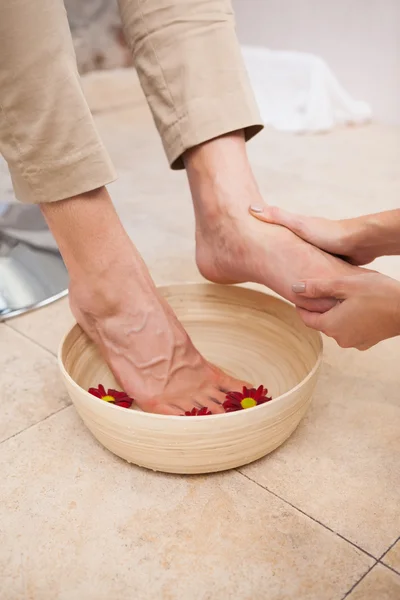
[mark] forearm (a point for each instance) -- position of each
(379, 232)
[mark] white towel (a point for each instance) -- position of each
(298, 92)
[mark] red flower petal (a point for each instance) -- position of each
(235, 396)
(197, 412)
(233, 399)
(264, 399)
(190, 413)
(259, 392)
(246, 392)
(117, 394)
(232, 405)
(124, 403)
(120, 398)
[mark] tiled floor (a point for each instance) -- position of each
(319, 519)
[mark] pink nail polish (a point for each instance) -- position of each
(299, 288)
(256, 209)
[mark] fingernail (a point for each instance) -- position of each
(256, 209)
(299, 288)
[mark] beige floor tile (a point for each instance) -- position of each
(294, 193)
(30, 384)
(47, 325)
(379, 584)
(341, 465)
(79, 523)
(359, 160)
(112, 89)
(176, 269)
(132, 140)
(392, 558)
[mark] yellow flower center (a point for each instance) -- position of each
(248, 403)
(108, 398)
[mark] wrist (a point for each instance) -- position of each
(367, 237)
(382, 232)
(356, 239)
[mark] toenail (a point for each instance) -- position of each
(256, 209)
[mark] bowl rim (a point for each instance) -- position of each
(143, 414)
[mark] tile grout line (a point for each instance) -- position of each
(34, 424)
(359, 581)
(389, 567)
(388, 549)
(384, 554)
(54, 355)
(310, 517)
(26, 337)
(376, 560)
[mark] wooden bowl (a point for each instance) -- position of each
(249, 334)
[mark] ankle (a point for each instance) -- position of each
(221, 179)
(88, 232)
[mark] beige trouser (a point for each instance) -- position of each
(189, 63)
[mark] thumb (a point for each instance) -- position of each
(321, 288)
(313, 320)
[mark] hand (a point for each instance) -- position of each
(367, 312)
(347, 238)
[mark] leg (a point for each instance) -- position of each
(189, 63)
(116, 302)
(231, 245)
(47, 135)
(57, 160)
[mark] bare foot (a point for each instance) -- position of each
(114, 299)
(232, 246)
(145, 346)
(248, 250)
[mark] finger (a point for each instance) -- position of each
(278, 216)
(328, 323)
(321, 288)
(319, 305)
(312, 320)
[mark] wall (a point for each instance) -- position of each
(360, 40)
